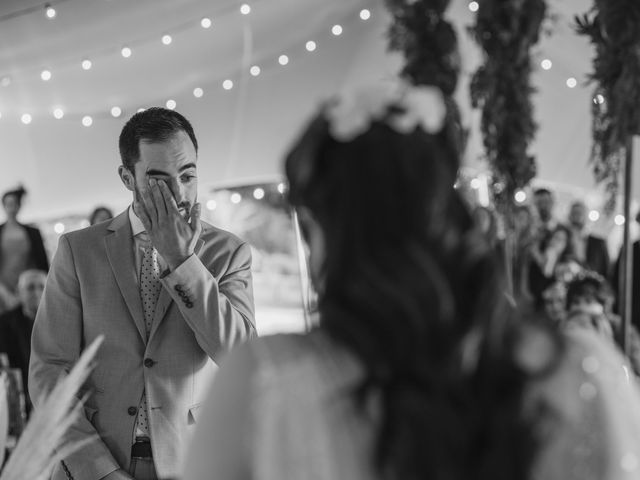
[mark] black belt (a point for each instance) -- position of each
(141, 449)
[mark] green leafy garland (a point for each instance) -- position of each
(613, 27)
(430, 47)
(506, 30)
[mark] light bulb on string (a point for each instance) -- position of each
(227, 84)
(235, 198)
(310, 46)
(87, 121)
(205, 22)
(86, 64)
(171, 104)
(126, 52)
(474, 6)
(619, 220)
(572, 82)
(365, 14)
(26, 118)
(50, 11)
(255, 70)
(283, 60)
(45, 75)
(59, 228)
(116, 112)
(546, 64)
(198, 92)
(282, 188)
(58, 113)
(336, 30)
(166, 39)
(211, 205)
(245, 9)
(258, 193)
(520, 196)
(594, 215)
(475, 183)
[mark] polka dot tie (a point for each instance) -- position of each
(150, 287)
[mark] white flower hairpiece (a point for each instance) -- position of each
(351, 115)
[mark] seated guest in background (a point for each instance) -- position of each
(555, 301)
(100, 214)
(418, 369)
(169, 293)
(544, 202)
(589, 250)
(21, 246)
(586, 300)
(16, 325)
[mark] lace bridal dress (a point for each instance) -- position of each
(281, 409)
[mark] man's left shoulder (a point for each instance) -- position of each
(218, 238)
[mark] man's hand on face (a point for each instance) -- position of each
(170, 233)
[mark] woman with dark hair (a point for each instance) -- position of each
(21, 246)
(418, 369)
(100, 214)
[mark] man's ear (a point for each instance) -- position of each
(127, 178)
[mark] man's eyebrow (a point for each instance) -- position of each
(159, 173)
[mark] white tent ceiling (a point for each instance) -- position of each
(243, 131)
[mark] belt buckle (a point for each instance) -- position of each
(141, 448)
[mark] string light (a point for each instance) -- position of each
(546, 64)
(281, 188)
(619, 220)
(126, 52)
(245, 9)
(520, 196)
(58, 113)
(474, 6)
(236, 198)
(87, 121)
(171, 104)
(59, 228)
(116, 112)
(26, 118)
(594, 215)
(198, 92)
(572, 82)
(45, 75)
(255, 70)
(283, 60)
(86, 64)
(336, 30)
(258, 193)
(475, 183)
(310, 46)
(166, 39)
(599, 99)
(50, 11)
(365, 14)
(205, 22)
(211, 205)
(227, 84)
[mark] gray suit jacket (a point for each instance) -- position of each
(204, 308)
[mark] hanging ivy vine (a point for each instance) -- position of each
(507, 30)
(613, 27)
(430, 47)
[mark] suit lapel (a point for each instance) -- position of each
(119, 246)
(164, 300)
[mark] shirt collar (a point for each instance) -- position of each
(136, 224)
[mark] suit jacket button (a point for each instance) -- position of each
(132, 411)
(189, 304)
(148, 362)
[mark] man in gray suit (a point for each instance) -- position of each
(169, 292)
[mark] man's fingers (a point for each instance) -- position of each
(168, 199)
(148, 203)
(195, 219)
(158, 198)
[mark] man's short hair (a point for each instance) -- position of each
(153, 125)
(17, 192)
(542, 191)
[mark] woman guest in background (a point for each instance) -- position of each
(21, 248)
(418, 369)
(100, 214)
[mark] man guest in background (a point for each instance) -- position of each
(589, 250)
(544, 203)
(16, 325)
(170, 293)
